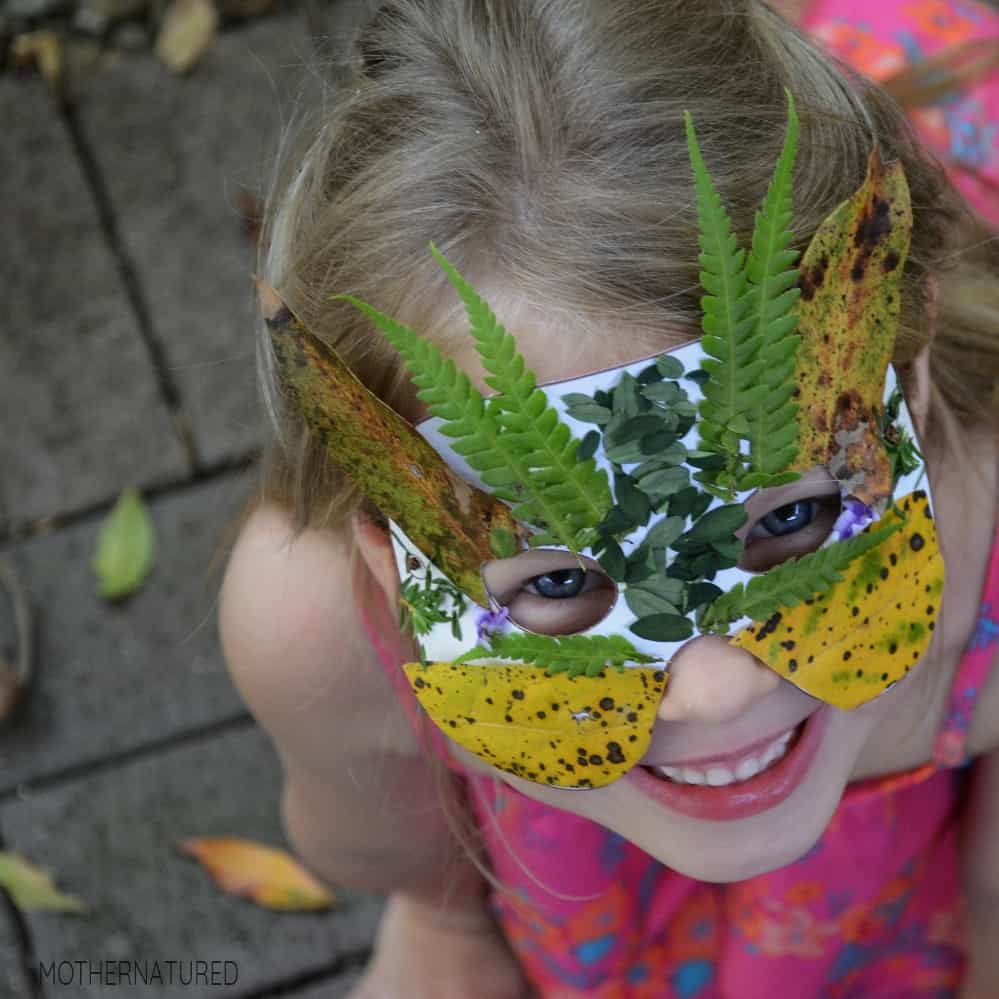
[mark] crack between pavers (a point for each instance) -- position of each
(179, 740)
(27, 959)
(317, 976)
(168, 388)
(233, 466)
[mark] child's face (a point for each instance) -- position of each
(723, 714)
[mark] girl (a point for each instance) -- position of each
(785, 831)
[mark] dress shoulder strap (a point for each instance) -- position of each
(950, 747)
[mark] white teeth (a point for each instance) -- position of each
(719, 777)
(747, 768)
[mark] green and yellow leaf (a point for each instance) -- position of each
(32, 889)
(447, 519)
(795, 581)
(869, 629)
(558, 730)
(850, 282)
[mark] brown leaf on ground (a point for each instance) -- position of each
(251, 213)
(43, 49)
(188, 28)
(15, 676)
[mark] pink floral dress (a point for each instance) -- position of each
(872, 911)
(880, 37)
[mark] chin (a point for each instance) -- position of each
(706, 849)
(718, 863)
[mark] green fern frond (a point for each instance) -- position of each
(772, 292)
(576, 493)
(749, 321)
(577, 655)
(479, 438)
(733, 366)
(791, 583)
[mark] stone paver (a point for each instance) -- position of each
(12, 983)
(79, 404)
(111, 840)
(111, 677)
(179, 158)
(337, 987)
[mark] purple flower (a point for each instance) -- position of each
(853, 519)
(491, 621)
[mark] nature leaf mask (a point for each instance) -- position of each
(558, 545)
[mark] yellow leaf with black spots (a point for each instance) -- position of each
(848, 321)
(851, 643)
(581, 732)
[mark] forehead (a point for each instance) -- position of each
(559, 345)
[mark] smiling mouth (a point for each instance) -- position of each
(745, 769)
(724, 788)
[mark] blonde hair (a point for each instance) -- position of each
(539, 143)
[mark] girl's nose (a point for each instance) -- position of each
(711, 681)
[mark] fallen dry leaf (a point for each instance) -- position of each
(269, 876)
(44, 49)
(15, 676)
(31, 889)
(251, 214)
(187, 30)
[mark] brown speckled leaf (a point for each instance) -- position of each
(853, 642)
(446, 518)
(849, 308)
(566, 732)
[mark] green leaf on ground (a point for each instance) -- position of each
(31, 889)
(125, 545)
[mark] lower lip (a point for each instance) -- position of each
(739, 801)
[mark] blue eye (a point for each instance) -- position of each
(559, 585)
(790, 518)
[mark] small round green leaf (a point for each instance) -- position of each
(588, 445)
(612, 559)
(663, 628)
(125, 544)
(669, 367)
(632, 501)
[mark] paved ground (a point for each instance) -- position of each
(126, 357)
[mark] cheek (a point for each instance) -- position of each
(592, 803)
(600, 805)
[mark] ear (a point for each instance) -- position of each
(375, 548)
(917, 396)
(918, 384)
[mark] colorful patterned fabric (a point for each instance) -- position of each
(590, 915)
(879, 39)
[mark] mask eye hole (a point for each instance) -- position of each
(551, 592)
(795, 527)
